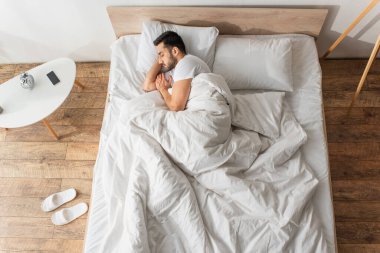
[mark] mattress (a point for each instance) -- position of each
(305, 103)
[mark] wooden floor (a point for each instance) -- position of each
(354, 150)
(33, 165)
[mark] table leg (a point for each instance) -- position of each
(371, 5)
(375, 51)
(77, 83)
(51, 130)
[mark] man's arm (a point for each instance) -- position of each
(150, 79)
(180, 93)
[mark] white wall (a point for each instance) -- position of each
(40, 30)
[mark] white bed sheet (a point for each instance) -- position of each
(305, 102)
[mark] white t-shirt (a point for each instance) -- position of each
(189, 67)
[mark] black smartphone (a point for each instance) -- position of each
(53, 77)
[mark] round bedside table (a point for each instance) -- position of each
(23, 107)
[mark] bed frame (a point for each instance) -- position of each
(236, 21)
(228, 20)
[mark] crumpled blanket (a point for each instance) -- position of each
(224, 175)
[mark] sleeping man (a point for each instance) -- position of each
(180, 69)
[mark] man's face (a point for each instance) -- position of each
(166, 57)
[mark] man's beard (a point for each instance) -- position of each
(171, 64)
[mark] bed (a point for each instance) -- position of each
(305, 103)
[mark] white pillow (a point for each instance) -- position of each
(260, 63)
(199, 41)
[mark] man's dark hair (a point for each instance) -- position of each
(171, 39)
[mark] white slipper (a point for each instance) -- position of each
(58, 199)
(67, 215)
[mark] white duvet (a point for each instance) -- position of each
(225, 175)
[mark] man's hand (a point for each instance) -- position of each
(181, 91)
(162, 83)
(149, 83)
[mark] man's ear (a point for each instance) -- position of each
(175, 51)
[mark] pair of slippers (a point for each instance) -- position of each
(66, 215)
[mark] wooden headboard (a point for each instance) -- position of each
(237, 21)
